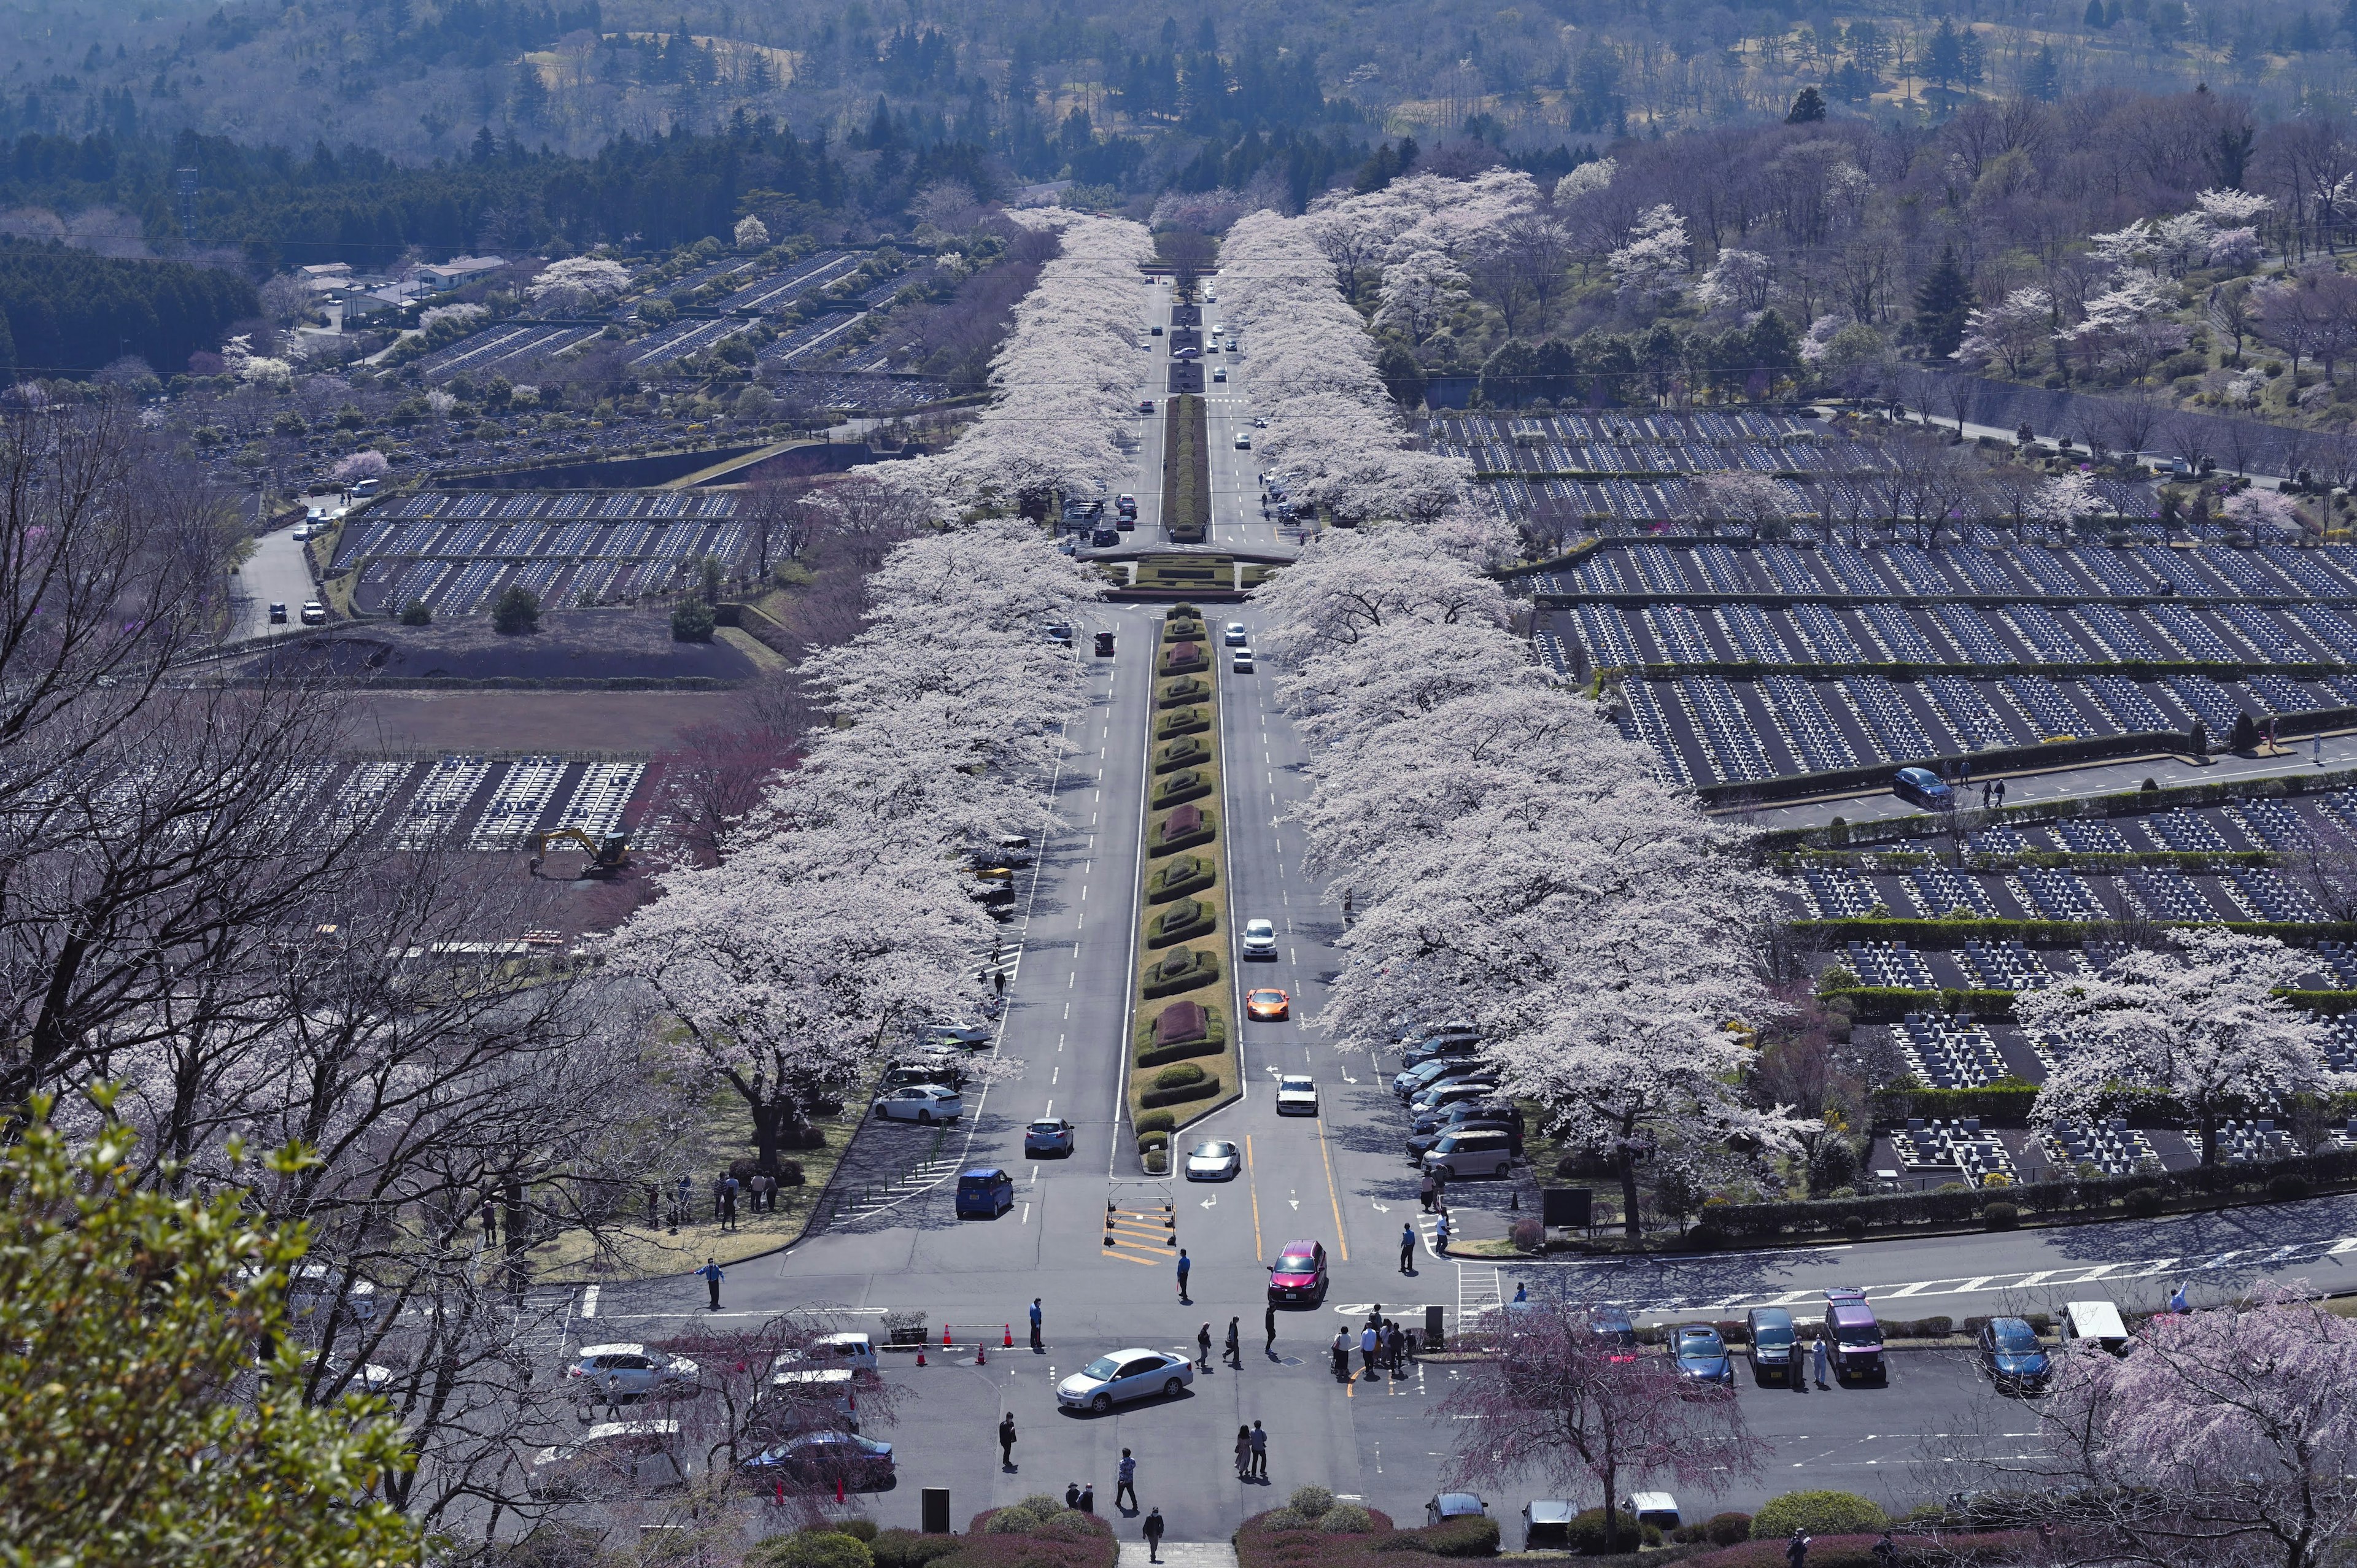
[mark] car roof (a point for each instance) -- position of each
(1299, 1247)
(1048, 1121)
(1286, 1079)
(1134, 1350)
(1549, 1510)
(1697, 1329)
(613, 1349)
(1851, 1311)
(991, 1173)
(1458, 1499)
(1214, 1143)
(1772, 1314)
(630, 1429)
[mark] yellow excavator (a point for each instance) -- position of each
(608, 857)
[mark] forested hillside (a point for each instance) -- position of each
(67, 311)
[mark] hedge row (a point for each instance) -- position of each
(1943, 934)
(1179, 921)
(1888, 1004)
(1181, 788)
(1180, 1094)
(1182, 691)
(1180, 875)
(1997, 1105)
(2139, 1194)
(1184, 752)
(1183, 721)
(1162, 840)
(1182, 968)
(1186, 470)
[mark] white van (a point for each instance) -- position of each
(814, 1396)
(2094, 1325)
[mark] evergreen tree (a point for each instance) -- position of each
(2094, 17)
(1807, 108)
(1942, 303)
(1403, 377)
(2043, 80)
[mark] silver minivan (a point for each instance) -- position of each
(1484, 1153)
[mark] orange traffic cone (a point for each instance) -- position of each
(1007, 1341)
(982, 1355)
(945, 1336)
(920, 1357)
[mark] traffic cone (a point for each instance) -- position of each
(920, 1357)
(981, 1355)
(1007, 1342)
(945, 1336)
(838, 1488)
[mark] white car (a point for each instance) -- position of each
(311, 1286)
(1244, 663)
(1260, 940)
(1215, 1161)
(1243, 441)
(856, 1351)
(356, 1377)
(611, 1459)
(973, 1037)
(1296, 1096)
(1236, 638)
(1124, 1375)
(1220, 373)
(923, 1103)
(1260, 424)
(614, 1371)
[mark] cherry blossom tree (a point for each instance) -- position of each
(2010, 332)
(2062, 501)
(1740, 498)
(2201, 1025)
(351, 469)
(1651, 267)
(2267, 513)
(1736, 281)
(1346, 584)
(751, 233)
(2226, 1436)
(2128, 327)
(578, 282)
(1418, 292)
(1558, 1397)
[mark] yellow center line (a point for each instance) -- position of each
(1342, 1242)
(1254, 1189)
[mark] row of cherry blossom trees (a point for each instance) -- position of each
(1512, 860)
(838, 911)
(1066, 379)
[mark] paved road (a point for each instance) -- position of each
(275, 573)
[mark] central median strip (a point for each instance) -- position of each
(1181, 1050)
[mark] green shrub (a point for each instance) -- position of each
(1310, 1502)
(1585, 1534)
(1284, 1518)
(1182, 721)
(692, 622)
(815, 1549)
(910, 1548)
(1023, 1517)
(518, 611)
(1180, 875)
(1185, 690)
(2001, 1216)
(1473, 1537)
(1157, 1121)
(1819, 1513)
(1183, 1093)
(1725, 1529)
(2287, 1189)
(1346, 1519)
(1149, 1141)
(857, 1528)
(1181, 753)
(1179, 921)
(1182, 786)
(416, 612)
(1174, 1076)
(2143, 1202)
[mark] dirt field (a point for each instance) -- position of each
(528, 721)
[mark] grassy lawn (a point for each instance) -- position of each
(719, 1136)
(1212, 939)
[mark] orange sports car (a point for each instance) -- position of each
(1267, 1006)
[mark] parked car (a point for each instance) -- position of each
(1296, 1096)
(1260, 940)
(1921, 787)
(314, 1287)
(1122, 1376)
(1448, 1041)
(1547, 1524)
(1613, 1324)
(1485, 1106)
(1267, 1005)
(277, 613)
(1446, 1506)
(1260, 424)
(1657, 1509)
(1048, 1136)
(942, 1069)
(2012, 1355)
(1476, 1118)
(923, 1103)
(613, 1458)
(1215, 1161)
(629, 1371)
(1431, 1070)
(2094, 1325)
(861, 1464)
(973, 1037)
(806, 1397)
(1775, 1347)
(985, 1191)
(855, 1351)
(1701, 1355)
(1298, 1274)
(1854, 1338)
(1450, 1091)
(1470, 1152)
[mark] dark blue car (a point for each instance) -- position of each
(985, 1193)
(2012, 1357)
(1701, 1355)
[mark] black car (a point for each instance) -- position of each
(2012, 1355)
(1451, 1043)
(1104, 537)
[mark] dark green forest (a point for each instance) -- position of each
(67, 310)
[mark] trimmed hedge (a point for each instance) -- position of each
(1181, 787)
(1858, 1552)
(1184, 752)
(1203, 829)
(1211, 1045)
(1179, 921)
(1185, 690)
(1888, 1003)
(1997, 1105)
(1182, 1094)
(1835, 935)
(1180, 657)
(1180, 875)
(1182, 968)
(1182, 629)
(1160, 1121)
(1818, 1512)
(1182, 721)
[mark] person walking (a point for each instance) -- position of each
(1268, 1319)
(1036, 1343)
(1440, 1234)
(1369, 1337)
(1006, 1441)
(1821, 1359)
(1184, 1268)
(728, 1190)
(1235, 1350)
(1341, 1352)
(1071, 1495)
(1259, 1453)
(681, 1208)
(998, 981)
(1796, 1549)
(1125, 1482)
(1428, 1191)
(2000, 794)
(1244, 1452)
(1088, 1497)
(1203, 1347)
(1154, 1535)
(1407, 1249)
(712, 1278)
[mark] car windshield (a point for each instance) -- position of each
(1296, 1263)
(1047, 1126)
(1214, 1151)
(1851, 1331)
(1293, 1083)
(1101, 1368)
(1773, 1334)
(2013, 1336)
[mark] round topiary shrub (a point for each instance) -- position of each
(1585, 1534)
(1178, 1075)
(2001, 1216)
(1818, 1513)
(1528, 1234)
(1157, 1121)
(2143, 1202)
(1284, 1518)
(1023, 1517)
(1310, 1502)
(1346, 1519)
(1727, 1528)
(2288, 1188)
(1707, 1237)
(911, 1549)
(1854, 1226)
(1149, 1141)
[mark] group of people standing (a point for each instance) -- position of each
(1384, 1346)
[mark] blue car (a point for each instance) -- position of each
(1701, 1355)
(985, 1193)
(2012, 1357)
(1048, 1136)
(1921, 787)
